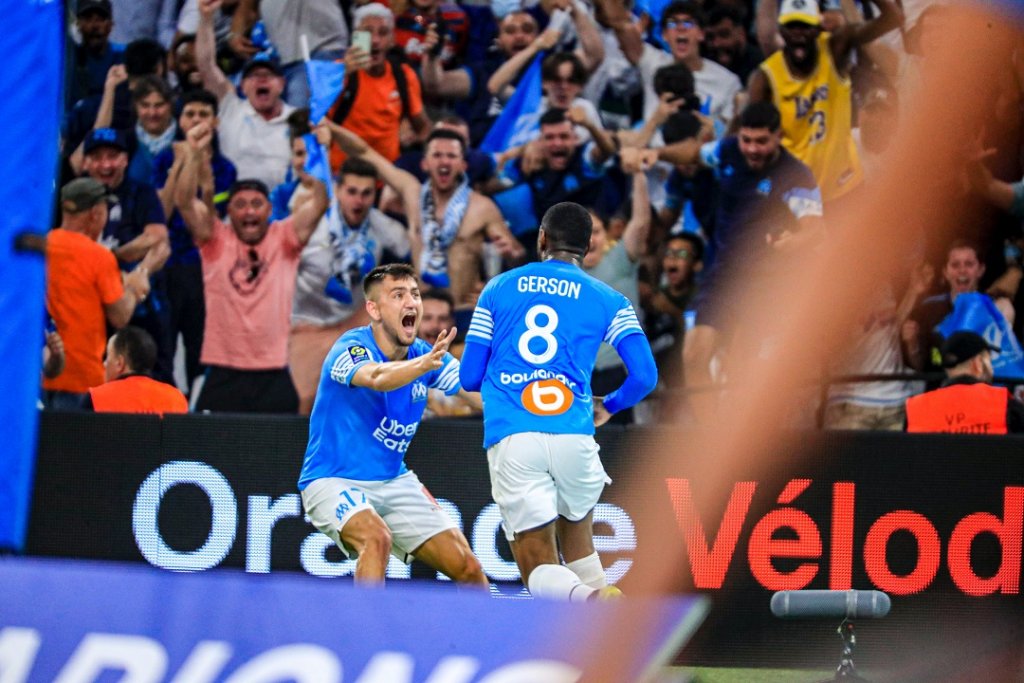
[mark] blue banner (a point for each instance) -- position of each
(977, 312)
(31, 82)
(325, 82)
(518, 122)
(86, 621)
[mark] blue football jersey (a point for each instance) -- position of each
(544, 323)
(359, 433)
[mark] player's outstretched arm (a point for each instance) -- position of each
(643, 374)
(394, 374)
(473, 365)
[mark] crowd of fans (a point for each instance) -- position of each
(708, 139)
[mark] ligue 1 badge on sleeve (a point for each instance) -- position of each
(358, 354)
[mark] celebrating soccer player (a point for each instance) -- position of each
(531, 346)
(373, 389)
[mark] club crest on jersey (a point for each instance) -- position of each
(419, 391)
(358, 354)
(546, 397)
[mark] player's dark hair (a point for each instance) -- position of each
(687, 7)
(549, 68)
(395, 271)
(961, 243)
(137, 347)
(147, 85)
(567, 226)
(682, 125)
(552, 117)
(357, 167)
(440, 294)
(143, 57)
(198, 95)
(445, 134)
(760, 115)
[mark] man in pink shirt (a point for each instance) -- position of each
(249, 269)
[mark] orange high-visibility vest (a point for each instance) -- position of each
(137, 394)
(959, 409)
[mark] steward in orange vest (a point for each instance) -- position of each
(131, 355)
(966, 403)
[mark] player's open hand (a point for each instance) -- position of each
(601, 414)
(435, 358)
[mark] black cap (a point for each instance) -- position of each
(102, 6)
(263, 61)
(962, 346)
(81, 194)
(104, 137)
(248, 184)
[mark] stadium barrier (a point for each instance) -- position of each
(932, 520)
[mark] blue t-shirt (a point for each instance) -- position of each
(755, 203)
(359, 433)
(543, 323)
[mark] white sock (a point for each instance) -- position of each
(589, 570)
(555, 582)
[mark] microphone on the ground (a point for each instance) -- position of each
(826, 604)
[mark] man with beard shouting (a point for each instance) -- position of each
(808, 81)
(448, 248)
(355, 485)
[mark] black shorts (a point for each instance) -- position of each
(229, 390)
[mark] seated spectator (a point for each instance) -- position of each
(93, 57)
(141, 58)
(155, 128)
(253, 132)
(328, 293)
(451, 220)
(181, 63)
(448, 20)
(366, 105)
(136, 229)
(617, 264)
(966, 403)
(249, 271)
(84, 291)
(665, 307)
(128, 386)
(726, 36)
(183, 273)
(480, 166)
(962, 273)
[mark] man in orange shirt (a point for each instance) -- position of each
(376, 98)
(131, 357)
(84, 291)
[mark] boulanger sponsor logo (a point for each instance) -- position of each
(547, 397)
(539, 373)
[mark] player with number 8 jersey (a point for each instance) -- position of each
(530, 350)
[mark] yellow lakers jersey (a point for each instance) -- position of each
(816, 120)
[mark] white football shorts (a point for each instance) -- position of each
(536, 477)
(411, 513)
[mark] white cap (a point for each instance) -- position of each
(805, 11)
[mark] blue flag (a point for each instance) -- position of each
(519, 120)
(977, 313)
(325, 82)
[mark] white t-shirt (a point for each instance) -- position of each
(258, 148)
(712, 81)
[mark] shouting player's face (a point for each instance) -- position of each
(396, 306)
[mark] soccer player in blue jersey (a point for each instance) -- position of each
(530, 350)
(373, 389)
